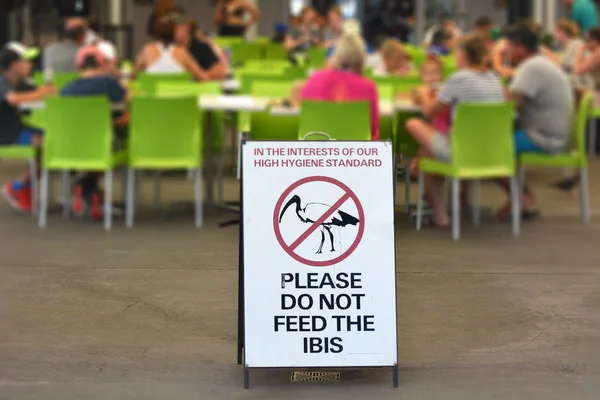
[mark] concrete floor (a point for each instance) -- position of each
(150, 313)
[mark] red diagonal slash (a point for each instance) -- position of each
(319, 221)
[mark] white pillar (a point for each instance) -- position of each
(538, 11)
(115, 18)
(550, 15)
(420, 17)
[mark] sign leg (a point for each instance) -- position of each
(241, 314)
(395, 376)
(246, 377)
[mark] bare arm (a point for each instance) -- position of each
(253, 10)
(585, 65)
(431, 105)
(192, 67)
(218, 71)
(498, 61)
(141, 63)
(18, 98)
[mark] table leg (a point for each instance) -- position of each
(209, 164)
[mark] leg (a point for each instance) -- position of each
(66, 193)
(157, 175)
(407, 185)
(198, 196)
(476, 198)
(455, 209)
(322, 241)
(330, 237)
(43, 199)
(584, 193)
(420, 191)
(33, 171)
(515, 200)
(108, 186)
(130, 198)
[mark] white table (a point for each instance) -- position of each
(231, 85)
(386, 109)
(407, 105)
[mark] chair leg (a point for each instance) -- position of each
(198, 197)
(455, 209)
(515, 194)
(584, 195)
(157, 176)
(124, 184)
(33, 172)
(592, 137)
(66, 194)
(521, 172)
(407, 185)
(420, 190)
(108, 187)
(476, 199)
(43, 210)
(138, 188)
(130, 198)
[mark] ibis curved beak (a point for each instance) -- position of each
(294, 200)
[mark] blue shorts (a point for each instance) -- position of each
(25, 137)
(523, 143)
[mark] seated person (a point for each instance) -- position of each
(432, 75)
(165, 56)
(483, 28)
(279, 33)
(474, 83)
(396, 62)
(349, 27)
(587, 58)
(441, 43)
(15, 64)
(344, 81)
(542, 94)
(97, 80)
(60, 56)
(304, 36)
(201, 51)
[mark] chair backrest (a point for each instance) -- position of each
(243, 52)
(296, 72)
(265, 126)
(78, 133)
(225, 42)
(482, 136)
(248, 79)
(187, 88)
(580, 121)
(165, 133)
(341, 120)
(271, 89)
(275, 51)
(401, 84)
(386, 91)
(148, 82)
(62, 79)
(316, 57)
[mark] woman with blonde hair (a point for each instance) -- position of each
(344, 80)
(396, 62)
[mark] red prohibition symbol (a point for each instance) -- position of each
(330, 216)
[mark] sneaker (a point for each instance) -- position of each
(18, 198)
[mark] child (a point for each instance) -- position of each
(432, 73)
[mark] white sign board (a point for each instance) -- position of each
(319, 260)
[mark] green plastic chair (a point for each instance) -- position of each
(296, 72)
(244, 52)
(408, 147)
(594, 115)
(78, 136)
(150, 148)
(225, 42)
(265, 126)
(275, 51)
(483, 147)
(62, 79)
(148, 82)
(339, 120)
(316, 57)
(175, 88)
(249, 79)
(576, 158)
(272, 89)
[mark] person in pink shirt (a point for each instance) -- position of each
(344, 80)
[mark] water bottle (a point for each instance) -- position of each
(126, 68)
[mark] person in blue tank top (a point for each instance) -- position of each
(584, 13)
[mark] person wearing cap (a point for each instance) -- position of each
(93, 37)
(15, 64)
(60, 56)
(186, 35)
(97, 79)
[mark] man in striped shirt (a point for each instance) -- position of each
(474, 83)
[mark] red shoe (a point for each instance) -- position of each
(19, 199)
(79, 203)
(96, 206)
